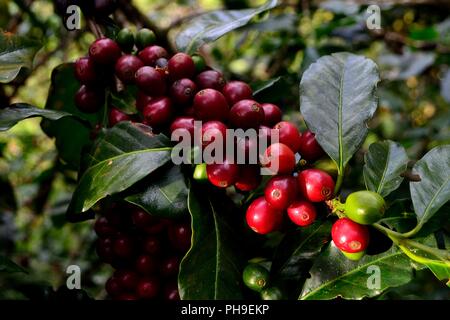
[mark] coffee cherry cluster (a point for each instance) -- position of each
(256, 277)
(145, 251)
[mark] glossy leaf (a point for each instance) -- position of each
(212, 25)
(165, 194)
(262, 86)
(298, 246)
(8, 266)
(15, 113)
(384, 163)
(16, 52)
(124, 155)
(212, 269)
(337, 98)
(333, 275)
(433, 190)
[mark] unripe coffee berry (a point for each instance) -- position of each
(125, 39)
(144, 38)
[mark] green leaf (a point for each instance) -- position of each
(8, 266)
(15, 113)
(337, 98)
(212, 269)
(212, 25)
(262, 86)
(433, 189)
(124, 155)
(61, 98)
(165, 194)
(333, 275)
(384, 163)
(298, 246)
(125, 100)
(16, 52)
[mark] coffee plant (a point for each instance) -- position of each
(149, 181)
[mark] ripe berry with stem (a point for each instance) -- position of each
(262, 217)
(281, 191)
(315, 185)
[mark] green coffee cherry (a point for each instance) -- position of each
(354, 256)
(145, 37)
(200, 172)
(200, 63)
(365, 207)
(125, 39)
(255, 277)
(271, 293)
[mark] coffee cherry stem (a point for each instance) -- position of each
(336, 207)
(95, 28)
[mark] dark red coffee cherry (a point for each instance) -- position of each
(181, 66)
(104, 51)
(210, 104)
(246, 114)
(146, 264)
(142, 219)
(115, 116)
(123, 246)
(272, 114)
(127, 279)
(150, 54)
(278, 159)
(103, 228)
(89, 100)
(170, 291)
(142, 100)
(180, 236)
(235, 91)
(262, 217)
(288, 134)
(86, 72)
(249, 178)
(309, 148)
(281, 191)
(148, 288)
(157, 227)
(222, 175)
(210, 79)
(150, 81)
(104, 249)
(211, 130)
(158, 112)
(302, 213)
(350, 236)
(183, 91)
(113, 287)
(126, 68)
(170, 266)
(315, 185)
(151, 245)
(184, 126)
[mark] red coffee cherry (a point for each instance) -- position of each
(142, 100)
(158, 112)
(150, 81)
(279, 159)
(350, 236)
(264, 134)
(183, 91)
(123, 246)
(113, 287)
(235, 91)
(309, 148)
(104, 249)
(104, 51)
(211, 79)
(211, 130)
(222, 175)
(181, 66)
(180, 236)
(281, 191)
(126, 68)
(146, 264)
(302, 213)
(249, 178)
(272, 114)
(89, 100)
(262, 217)
(127, 279)
(246, 114)
(151, 245)
(170, 266)
(115, 116)
(85, 71)
(142, 219)
(184, 124)
(315, 185)
(289, 134)
(148, 288)
(149, 55)
(210, 104)
(170, 291)
(103, 228)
